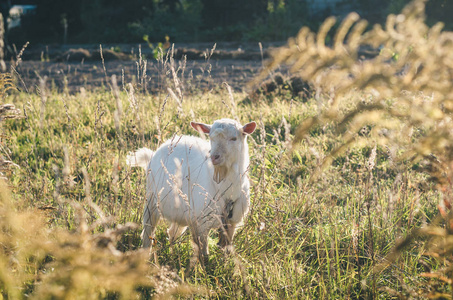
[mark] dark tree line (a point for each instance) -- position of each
(100, 21)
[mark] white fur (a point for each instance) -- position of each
(182, 188)
(140, 158)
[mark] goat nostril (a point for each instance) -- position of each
(216, 156)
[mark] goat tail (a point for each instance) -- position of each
(140, 158)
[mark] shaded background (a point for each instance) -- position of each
(119, 21)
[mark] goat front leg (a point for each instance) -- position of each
(224, 237)
(200, 243)
(226, 234)
(232, 216)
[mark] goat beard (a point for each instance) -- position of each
(220, 173)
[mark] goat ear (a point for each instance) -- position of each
(201, 127)
(249, 128)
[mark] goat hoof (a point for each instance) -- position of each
(229, 249)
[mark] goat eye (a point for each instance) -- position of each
(233, 139)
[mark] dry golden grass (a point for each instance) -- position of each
(406, 88)
(401, 99)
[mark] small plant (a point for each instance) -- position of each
(159, 51)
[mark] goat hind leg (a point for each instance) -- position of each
(151, 216)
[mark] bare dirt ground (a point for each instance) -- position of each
(70, 68)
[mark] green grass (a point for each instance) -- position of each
(303, 238)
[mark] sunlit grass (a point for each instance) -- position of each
(302, 238)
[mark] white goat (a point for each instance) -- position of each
(194, 184)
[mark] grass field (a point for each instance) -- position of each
(71, 209)
(301, 238)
